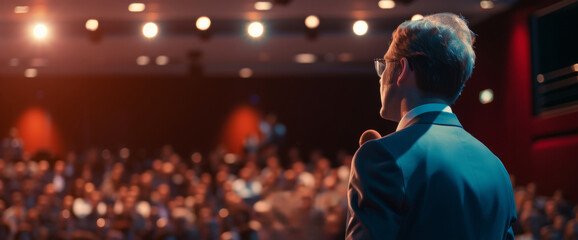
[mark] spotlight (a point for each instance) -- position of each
(203, 23)
(255, 29)
(485, 4)
(312, 21)
(91, 25)
(40, 31)
(360, 28)
(417, 17)
(386, 4)
(150, 30)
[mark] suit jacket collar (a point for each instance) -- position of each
(438, 118)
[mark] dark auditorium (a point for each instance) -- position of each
(288, 119)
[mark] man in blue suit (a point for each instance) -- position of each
(430, 179)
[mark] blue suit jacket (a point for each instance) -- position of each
(430, 180)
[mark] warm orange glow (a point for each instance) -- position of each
(243, 122)
(38, 132)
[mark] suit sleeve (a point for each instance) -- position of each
(375, 194)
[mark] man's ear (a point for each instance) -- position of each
(404, 71)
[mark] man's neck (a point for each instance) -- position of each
(409, 104)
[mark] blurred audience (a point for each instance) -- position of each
(259, 195)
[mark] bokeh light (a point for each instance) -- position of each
(91, 25)
(150, 30)
(40, 31)
(360, 28)
(312, 21)
(487, 4)
(31, 73)
(245, 73)
(203, 23)
(386, 4)
(263, 5)
(142, 60)
(136, 7)
(255, 29)
(417, 17)
(162, 60)
(486, 96)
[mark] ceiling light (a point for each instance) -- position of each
(312, 21)
(21, 9)
(417, 17)
(142, 60)
(487, 4)
(91, 25)
(305, 58)
(360, 28)
(245, 73)
(150, 30)
(203, 23)
(386, 4)
(40, 31)
(30, 72)
(136, 7)
(255, 29)
(263, 6)
(162, 60)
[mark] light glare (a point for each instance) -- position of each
(40, 31)
(203, 23)
(487, 4)
(255, 29)
(150, 30)
(91, 25)
(417, 17)
(360, 28)
(263, 6)
(386, 4)
(136, 7)
(312, 21)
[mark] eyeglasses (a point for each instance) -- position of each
(379, 66)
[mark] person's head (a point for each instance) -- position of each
(431, 58)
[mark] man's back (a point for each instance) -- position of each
(430, 180)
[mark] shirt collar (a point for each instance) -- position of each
(430, 107)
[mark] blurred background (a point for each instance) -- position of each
(186, 119)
